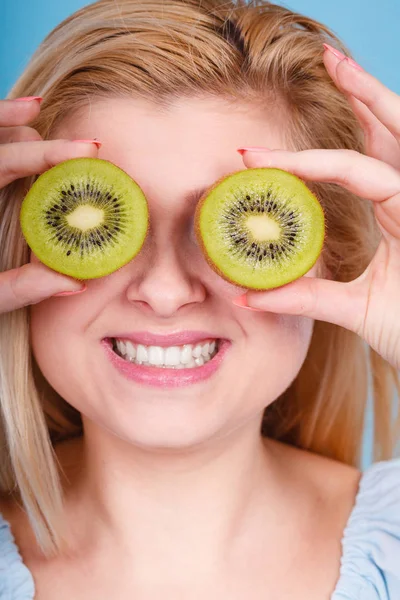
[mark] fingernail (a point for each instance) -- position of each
(253, 149)
(242, 302)
(334, 51)
(29, 99)
(98, 144)
(353, 64)
(72, 293)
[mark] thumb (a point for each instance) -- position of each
(31, 284)
(321, 299)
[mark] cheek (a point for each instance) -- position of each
(56, 339)
(45, 320)
(219, 287)
(283, 343)
(296, 333)
(48, 337)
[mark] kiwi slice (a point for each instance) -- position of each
(85, 218)
(260, 228)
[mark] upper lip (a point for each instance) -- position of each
(174, 339)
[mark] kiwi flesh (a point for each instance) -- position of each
(85, 218)
(260, 228)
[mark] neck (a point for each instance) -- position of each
(162, 505)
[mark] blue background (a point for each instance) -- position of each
(370, 29)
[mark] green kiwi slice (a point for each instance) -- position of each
(85, 218)
(260, 228)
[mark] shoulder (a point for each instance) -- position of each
(370, 565)
(333, 483)
(365, 509)
(16, 581)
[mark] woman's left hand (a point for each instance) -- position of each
(370, 304)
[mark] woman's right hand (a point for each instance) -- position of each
(23, 153)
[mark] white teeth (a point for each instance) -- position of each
(186, 354)
(174, 357)
(205, 350)
(197, 351)
(156, 355)
(142, 354)
(122, 347)
(130, 350)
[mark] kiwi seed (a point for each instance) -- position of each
(85, 218)
(260, 228)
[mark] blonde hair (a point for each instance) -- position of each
(160, 51)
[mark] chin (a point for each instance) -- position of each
(169, 428)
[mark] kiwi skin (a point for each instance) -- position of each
(35, 243)
(214, 266)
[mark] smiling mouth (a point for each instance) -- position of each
(187, 356)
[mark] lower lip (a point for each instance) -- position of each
(165, 378)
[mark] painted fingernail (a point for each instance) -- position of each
(72, 293)
(242, 302)
(353, 64)
(253, 149)
(334, 51)
(98, 144)
(29, 99)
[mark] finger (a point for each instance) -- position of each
(16, 112)
(332, 58)
(9, 135)
(365, 176)
(31, 284)
(33, 158)
(381, 101)
(379, 142)
(339, 303)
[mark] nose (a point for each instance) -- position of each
(167, 283)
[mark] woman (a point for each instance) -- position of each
(238, 478)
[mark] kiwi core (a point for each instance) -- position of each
(263, 228)
(260, 228)
(86, 217)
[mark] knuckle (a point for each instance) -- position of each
(14, 291)
(308, 300)
(372, 97)
(53, 154)
(8, 165)
(301, 304)
(352, 154)
(19, 292)
(9, 135)
(349, 166)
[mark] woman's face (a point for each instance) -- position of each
(169, 289)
